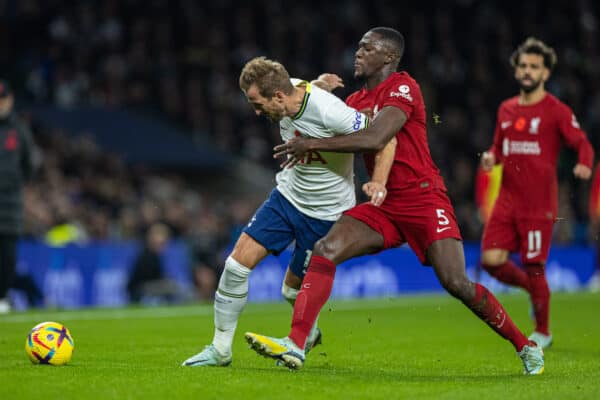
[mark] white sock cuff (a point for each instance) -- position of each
(234, 280)
(289, 293)
(236, 268)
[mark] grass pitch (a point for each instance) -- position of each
(418, 347)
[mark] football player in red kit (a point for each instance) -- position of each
(416, 210)
(530, 130)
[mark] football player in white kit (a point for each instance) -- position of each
(306, 202)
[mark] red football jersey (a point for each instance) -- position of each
(412, 162)
(527, 141)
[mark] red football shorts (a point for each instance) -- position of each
(530, 236)
(417, 217)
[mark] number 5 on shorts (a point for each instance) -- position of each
(442, 220)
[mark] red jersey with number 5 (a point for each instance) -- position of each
(527, 141)
(412, 163)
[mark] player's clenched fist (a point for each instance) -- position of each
(376, 192)
(488, 160)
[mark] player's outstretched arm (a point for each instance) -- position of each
(328, 82)
(384, 159)
(374, 138)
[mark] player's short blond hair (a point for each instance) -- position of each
(269, 76)
(535, 46)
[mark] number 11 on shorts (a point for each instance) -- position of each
(534, 243)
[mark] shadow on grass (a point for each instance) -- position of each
(370, 375)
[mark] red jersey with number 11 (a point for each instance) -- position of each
(527, 142)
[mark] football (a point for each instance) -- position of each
(49, 343)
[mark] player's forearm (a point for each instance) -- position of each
(585, 153)
(383, 162)
(357, 142)
(322, 84)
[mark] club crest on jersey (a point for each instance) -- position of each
(403, 91)
(534, 125)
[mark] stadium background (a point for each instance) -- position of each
(135, 108)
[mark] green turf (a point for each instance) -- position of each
(424, 347)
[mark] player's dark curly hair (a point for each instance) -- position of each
(535, 46)
(392, 36)
(268, 75)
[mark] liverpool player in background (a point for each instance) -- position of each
(417, 209)
(530, 130)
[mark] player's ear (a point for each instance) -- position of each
(389, 58)
(279, 95)
(545, 74)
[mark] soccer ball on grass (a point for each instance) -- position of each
(49, 343)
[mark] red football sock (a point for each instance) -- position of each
(488, 308)
(540, 296)
(316, 289)
(509, 273)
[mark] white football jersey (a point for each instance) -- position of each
(322, 184)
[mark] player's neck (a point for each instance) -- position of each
(295, 100)
(527, 99)
(378, 77)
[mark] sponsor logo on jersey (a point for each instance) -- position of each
(358, 118)
(312, 155)
(521, 147)
(403, 91)
(534, 125)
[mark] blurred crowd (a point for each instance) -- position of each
(80, 194)
(181, 59)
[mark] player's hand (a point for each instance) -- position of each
(293, 150)
(376, 191)
(331, 82)
(582, 172)
(488, 160)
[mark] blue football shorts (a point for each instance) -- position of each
(277, 223)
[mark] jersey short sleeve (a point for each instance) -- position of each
(342, 119)
(402, 93)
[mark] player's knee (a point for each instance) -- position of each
(492, 259)
(325, 248)
(289, 293)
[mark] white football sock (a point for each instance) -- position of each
(290, 295)
(230, 299)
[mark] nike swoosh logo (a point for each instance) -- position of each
(505, 124)
(443, 229)
(196, 362)
(531, 254)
